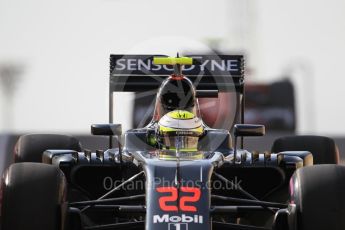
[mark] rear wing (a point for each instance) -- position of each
(137, 73)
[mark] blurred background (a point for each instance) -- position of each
(54, 59)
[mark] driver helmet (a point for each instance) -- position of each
(179, 130)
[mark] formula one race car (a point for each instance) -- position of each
(176, 173)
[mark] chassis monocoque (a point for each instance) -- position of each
(55, 184)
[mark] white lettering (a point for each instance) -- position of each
(138, 64)
(157, 67)
(232, 65)
(202, 66)
(188, 68)
(175, 219)
(187, 219)
(158, 219)
(141, 63)
(220, 66)
(120, 65)
(132, 64)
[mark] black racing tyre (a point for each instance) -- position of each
(30, 147)
(319, 195)
(324, 149)
(33, 197)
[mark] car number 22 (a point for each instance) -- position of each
(190, 195)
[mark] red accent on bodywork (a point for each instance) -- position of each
(164, 199)
(196, 196)
(183, 199)
(177, 77)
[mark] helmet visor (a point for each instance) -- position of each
(182, 143)
(181, 147)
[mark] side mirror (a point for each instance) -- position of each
(106, 129)
(248, 130)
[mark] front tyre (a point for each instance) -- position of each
(319, 195)
(324, 149)
(33, 197)
(30, 147)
